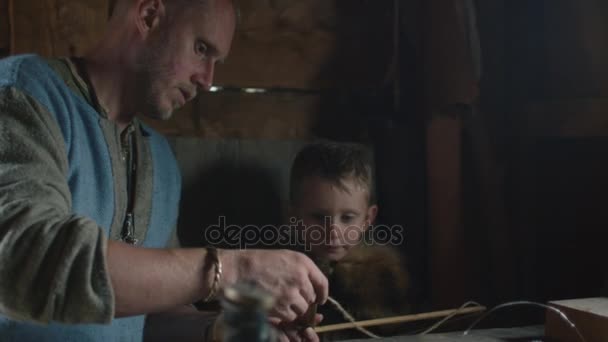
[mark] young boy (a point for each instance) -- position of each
(332, 205)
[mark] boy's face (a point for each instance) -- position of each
(334, 218)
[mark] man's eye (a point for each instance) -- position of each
(200, 48)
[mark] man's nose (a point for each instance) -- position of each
(204, 77)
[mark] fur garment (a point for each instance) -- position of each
(370, 282)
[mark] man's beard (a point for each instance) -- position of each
(150, 99)
(152, 80)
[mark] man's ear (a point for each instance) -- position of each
(372, 212)
(149, 14)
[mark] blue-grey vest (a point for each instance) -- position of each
(92, 188)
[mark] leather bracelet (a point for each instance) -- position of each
(212, 253)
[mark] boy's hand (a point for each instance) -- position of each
(291, 277)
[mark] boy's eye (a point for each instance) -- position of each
(200, 48)
(348, 218)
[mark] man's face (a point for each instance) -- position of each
(180, 54)
(334, 218)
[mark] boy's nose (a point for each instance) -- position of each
(334, 233)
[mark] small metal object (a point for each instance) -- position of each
(128, 231)
(129, 155)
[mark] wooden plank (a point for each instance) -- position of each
(4, 26)
(245, 116)
(447, 262)
(585, 117)
(31, 27)
(450, 80)
(58, 27)
(310, 44)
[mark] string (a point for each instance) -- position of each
(350, 318)
(523, 302)
(447, 318)
(435, 326)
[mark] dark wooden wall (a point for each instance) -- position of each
(543, 106)
(4, 28)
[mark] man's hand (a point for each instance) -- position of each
(295, 333)
(291, 277)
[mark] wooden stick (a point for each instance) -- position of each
(398, 319)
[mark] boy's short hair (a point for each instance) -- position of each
(333, 161)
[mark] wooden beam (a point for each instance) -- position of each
(447, 261)
(450, 80)
(246, 116)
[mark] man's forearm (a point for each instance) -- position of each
(156, 280)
